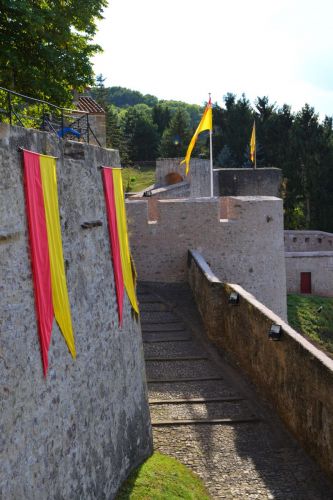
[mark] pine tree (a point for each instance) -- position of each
(177, 136)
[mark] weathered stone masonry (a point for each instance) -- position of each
(295, 376)
(309, 252)
(78, 433)
(241, 238)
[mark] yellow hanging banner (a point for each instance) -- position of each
(60, 299)
(125, 254)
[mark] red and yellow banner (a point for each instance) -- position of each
(51, 295)
(122, 264)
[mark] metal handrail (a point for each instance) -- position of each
(71, 110)
(63, 112)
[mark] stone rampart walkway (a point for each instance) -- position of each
(209, 417)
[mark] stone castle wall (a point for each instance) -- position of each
(226, 181)
(240, 237)
(248, 181)
(308, 241)
(198, 176)
(79, 432)
(295, 376)
(98, 125)
(319, 264)
(309, 252)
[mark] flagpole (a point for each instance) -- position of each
(211, 158)
(255, 145)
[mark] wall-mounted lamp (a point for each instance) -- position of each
(275, 333)
(233, 298)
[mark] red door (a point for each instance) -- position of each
(305, 282)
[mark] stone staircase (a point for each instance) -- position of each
(209, 419)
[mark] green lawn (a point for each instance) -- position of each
(312, 316)
(162, 478)
(135, 179)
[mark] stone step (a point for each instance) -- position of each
(162, 327)
(176, 358)
(215, 421)
(206, 410)
(156, 338)
(191, 389)
(173, 349)
(147, 298)
(158, 317)
(194, 400)
(153, 307)
(181, 369)
(181, 379)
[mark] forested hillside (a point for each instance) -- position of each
(143, 128)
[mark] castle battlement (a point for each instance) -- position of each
(240, 237)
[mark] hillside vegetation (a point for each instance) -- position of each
(137, 179)
(144, 128)
(312, 316)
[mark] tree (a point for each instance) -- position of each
(265, 128)
(225, 158)
(177, 136)
(140, 135)
(101, 92)
(124, 98)
(114, 137)
(232, 127)
(161, 116)
(46, 46)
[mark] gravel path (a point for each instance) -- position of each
(217, 427)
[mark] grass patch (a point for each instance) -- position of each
(313, 316)
(162, 478)
(137, 179)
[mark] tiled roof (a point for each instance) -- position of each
(89, 105)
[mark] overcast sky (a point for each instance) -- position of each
(183, 49)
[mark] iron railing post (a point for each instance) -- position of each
(9, 107)
(62, 123)
(87, 128)
(43, 118)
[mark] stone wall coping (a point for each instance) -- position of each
(137, 201)
(190, 200)
(294, 232)
(171, 187)
(206, 199)
(312, 350)
(240, 169)
(254, 198)
(204, 267)
(290, 255)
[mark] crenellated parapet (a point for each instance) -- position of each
(240, 237)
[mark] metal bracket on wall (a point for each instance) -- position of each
(91, 224)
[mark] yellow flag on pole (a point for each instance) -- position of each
(206, 123)
(253, 144)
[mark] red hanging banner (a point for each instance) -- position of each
(114, 238)
(39, 251)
